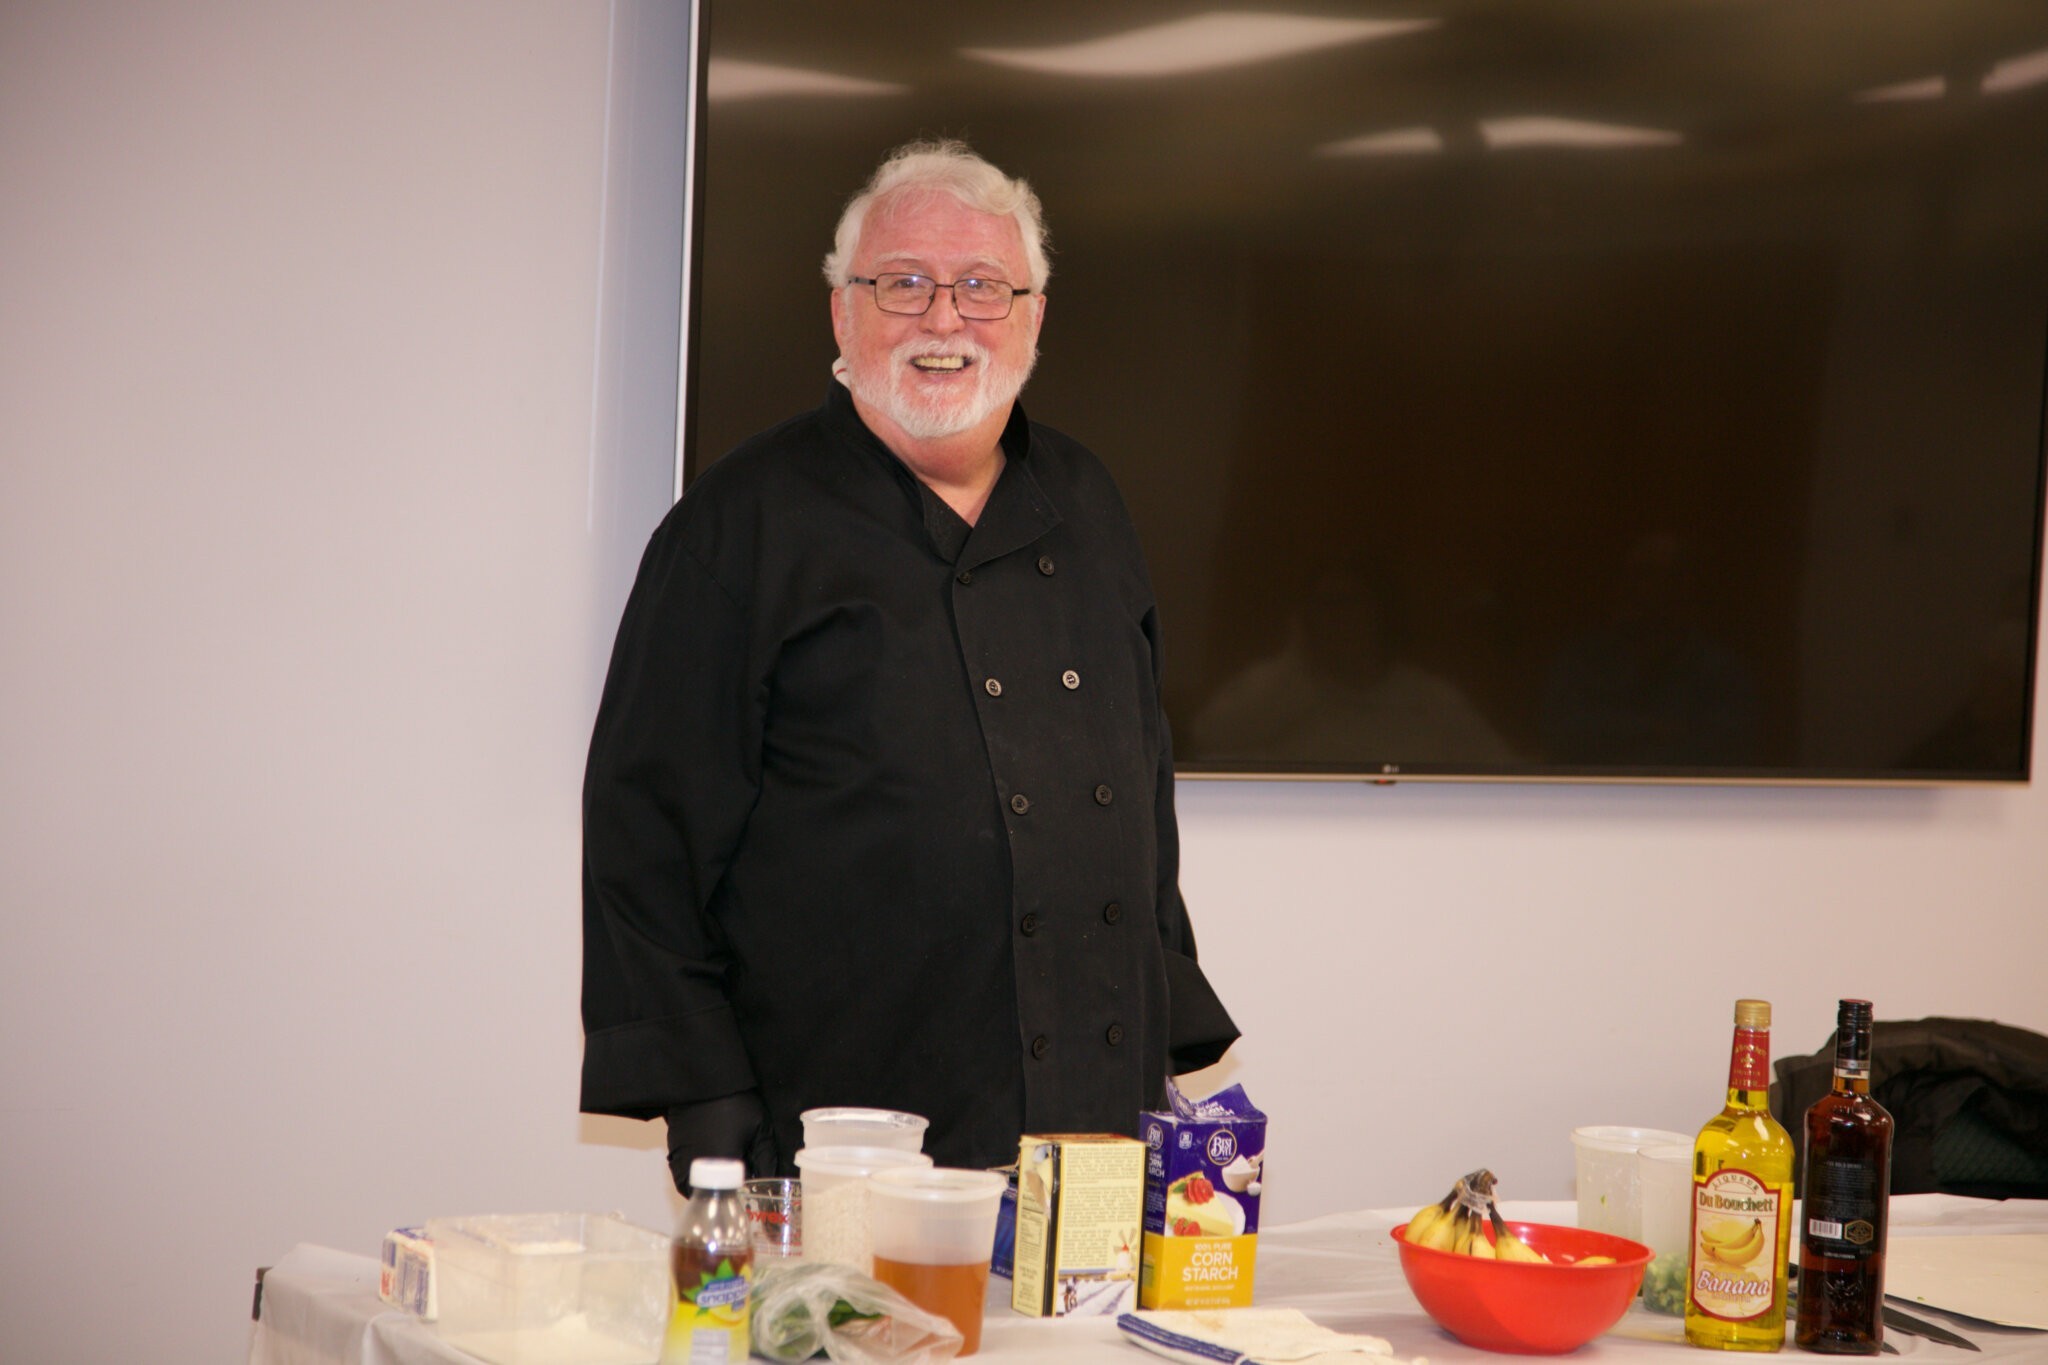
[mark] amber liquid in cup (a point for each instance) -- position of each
(955, 1292)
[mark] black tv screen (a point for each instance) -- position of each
(1582, 389)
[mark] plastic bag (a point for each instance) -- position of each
(804, 1308)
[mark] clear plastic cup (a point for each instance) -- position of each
(1664, 1174)
(934, 1231)
(864, 1128)
(1609, 1188)
(835, 1195)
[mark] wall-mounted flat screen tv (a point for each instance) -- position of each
(1580, 389)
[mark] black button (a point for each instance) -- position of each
(965, 576)
(1045, 565)
(1103, 795)
(1070, 679)
(1020, 803)
(1029, 925)
(993, 687)
(1040, 1046)
(1115, 1034)
(1112, 912)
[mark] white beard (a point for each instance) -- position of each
(927, 414)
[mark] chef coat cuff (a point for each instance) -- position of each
(643, 1069)
(1198, 1029)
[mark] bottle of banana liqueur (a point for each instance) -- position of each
(1846, 1185)
(1741, 1205)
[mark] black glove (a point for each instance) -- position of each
(732, 1125)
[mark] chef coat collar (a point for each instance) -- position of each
(1018, 511)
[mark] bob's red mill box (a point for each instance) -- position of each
(1204, 1172)
(1079, 1200)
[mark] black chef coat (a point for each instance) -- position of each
(879, 806)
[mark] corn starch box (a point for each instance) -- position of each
(1080, 1198)
(1204, 1173)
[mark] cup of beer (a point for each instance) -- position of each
(934, 1229)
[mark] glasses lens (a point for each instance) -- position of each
(984, 299)
(903, 293)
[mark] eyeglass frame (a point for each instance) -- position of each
(874, 283)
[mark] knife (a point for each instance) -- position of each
(1919, 1327)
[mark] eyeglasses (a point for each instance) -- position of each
(974, 298)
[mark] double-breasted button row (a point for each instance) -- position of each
(994, 686)
(1021, 803)
(1113, 1035)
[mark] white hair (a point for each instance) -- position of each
(919, 170)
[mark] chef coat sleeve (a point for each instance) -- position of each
(1199, 1030)
(673, 772)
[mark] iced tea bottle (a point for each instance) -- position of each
(713, 1257)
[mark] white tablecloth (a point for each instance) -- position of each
(320, 1306)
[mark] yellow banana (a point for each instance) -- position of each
(1727, 1231)
(1507, 1246)
(1741, 1252)
(1480, 1247)
(1425, 1218)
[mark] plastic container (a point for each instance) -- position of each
(713, 1261)
(864, 1128)
(1527, 1307)
(1610, 1197)
(1664, 1172)
(835, 1196)
(934, 1230)
(534, 1289)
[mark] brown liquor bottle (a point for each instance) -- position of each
(1846, 1183)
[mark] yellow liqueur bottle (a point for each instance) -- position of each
(1741, 1205)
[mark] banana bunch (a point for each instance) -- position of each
(1457, 1223)
(1732, 1241)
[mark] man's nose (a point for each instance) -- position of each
(948, 321)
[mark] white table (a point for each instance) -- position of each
(321, 1306)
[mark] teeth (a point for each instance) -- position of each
(939, 362)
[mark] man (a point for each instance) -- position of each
(879, 807)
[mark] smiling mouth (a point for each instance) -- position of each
(940, 364)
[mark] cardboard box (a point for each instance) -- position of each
(1204, 1175)
(405, 1279)
(1080, 1198)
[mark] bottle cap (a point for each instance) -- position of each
(1854, 1014)
(716, 1173)
(1752, 1014)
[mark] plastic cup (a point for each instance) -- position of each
(835, 1195)
(864, 1128)
(775, 1217)
(934, 1231)
(1664, 1175)
(1609, 1188)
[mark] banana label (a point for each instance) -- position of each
(1734, 1245)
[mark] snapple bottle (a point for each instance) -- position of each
(713, 1262)
(1742, 1205)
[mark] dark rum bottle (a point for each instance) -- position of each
(1846, 1184)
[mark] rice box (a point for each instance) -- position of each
(1080, 1197)
(1204, 1173)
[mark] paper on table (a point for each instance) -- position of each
(1999, 1279)
(1233, 1336)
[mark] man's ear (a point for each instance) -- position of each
(839, 317)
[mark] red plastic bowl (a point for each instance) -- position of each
(1526, 1307)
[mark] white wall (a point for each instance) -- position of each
(331, 387)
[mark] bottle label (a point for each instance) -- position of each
(710, 1319)
(1734, 1245)
(1842, 1210)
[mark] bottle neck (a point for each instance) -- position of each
(1749, 1069)
(1852, 1060)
